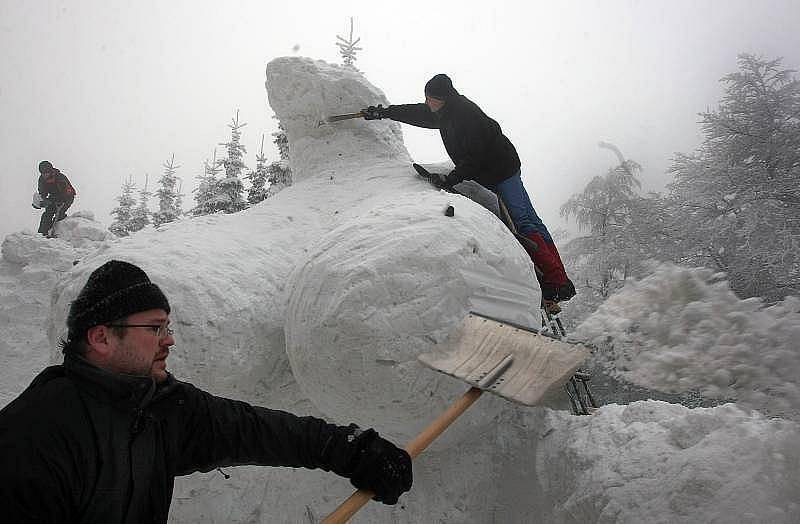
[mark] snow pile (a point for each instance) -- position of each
(684, 329)
(30, 267)
(75, 235)
(27, 248)
(658, 462)
(81, 230)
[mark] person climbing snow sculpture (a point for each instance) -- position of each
(101, 437)
(481, 152)
(56, 194)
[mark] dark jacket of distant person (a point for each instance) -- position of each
(55, 186)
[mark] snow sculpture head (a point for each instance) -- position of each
(303, 91)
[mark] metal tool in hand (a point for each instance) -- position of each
(338, 118)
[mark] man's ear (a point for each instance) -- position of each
(98, 340)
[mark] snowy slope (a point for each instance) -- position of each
(318, 301)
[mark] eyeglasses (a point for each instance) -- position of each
(159, 330)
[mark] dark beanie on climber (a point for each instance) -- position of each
(440, 87)
(45, 167)
(114, 290)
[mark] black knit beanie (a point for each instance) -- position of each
(114, 290)
(45, 167)
(440, 87)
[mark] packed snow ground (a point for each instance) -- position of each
(319, 300)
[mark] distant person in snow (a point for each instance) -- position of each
(101, 437)
(481, 152)
(56, 194)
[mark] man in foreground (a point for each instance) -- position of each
(101, 437)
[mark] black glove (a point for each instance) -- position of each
(439, 180)
(374, 112)
(381, 467)
(443, 181)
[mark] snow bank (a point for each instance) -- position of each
(81, 230)
(658, 462)
(682, 329)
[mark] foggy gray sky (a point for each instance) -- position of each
(107, 89)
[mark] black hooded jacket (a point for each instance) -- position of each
(81, 444)
(475, 142)
(54, 185)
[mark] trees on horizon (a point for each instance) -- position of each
(733, 204)
(220, 187)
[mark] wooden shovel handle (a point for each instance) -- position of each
(349, 507)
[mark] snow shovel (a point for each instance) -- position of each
(515, 362)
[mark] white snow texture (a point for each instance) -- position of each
(319, 299)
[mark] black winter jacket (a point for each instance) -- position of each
(55, 186)
(84, 445)
(475, 142)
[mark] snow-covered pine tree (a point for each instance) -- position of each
(141, 213)
(737, 197)
(123, 213)
(281, 142)
(167, 194)
(258, 178)
(206, 194)
(279, 174)
(179, 198)
(348, 48)
(607, 208)
(231, 189)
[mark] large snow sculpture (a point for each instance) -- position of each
(387, 284)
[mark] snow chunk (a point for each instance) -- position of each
(81, 230)
(684, 329)
(75, 235)
(303, 92)
(27, 247)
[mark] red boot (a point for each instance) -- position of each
(554, 282)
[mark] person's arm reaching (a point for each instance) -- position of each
(222, 432)
(413, 114)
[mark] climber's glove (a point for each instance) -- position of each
(374, 112)
(439, 180)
